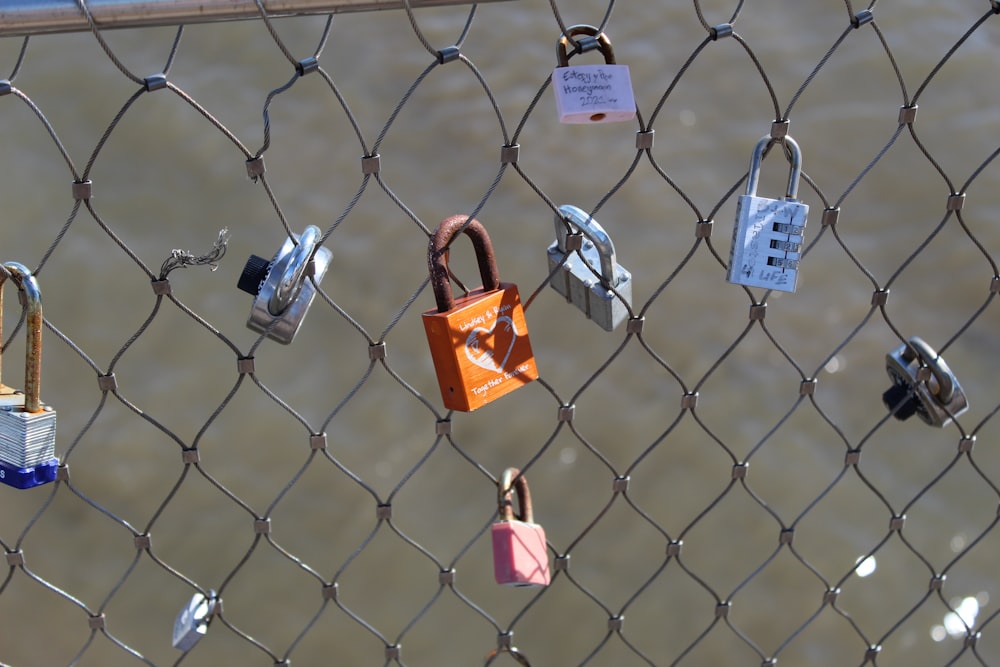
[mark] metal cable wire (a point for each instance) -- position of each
(671, 476)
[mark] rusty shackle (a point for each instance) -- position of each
(512, 479)
(437, 258)
(28, 286)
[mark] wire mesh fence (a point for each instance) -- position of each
(725, 473)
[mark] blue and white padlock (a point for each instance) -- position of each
(27, 426)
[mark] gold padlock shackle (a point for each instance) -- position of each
(28, 286)
(595, 39)
(513, 476)
(437, 258)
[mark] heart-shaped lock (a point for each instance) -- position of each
(479, 342)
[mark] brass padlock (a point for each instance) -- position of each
(281, 287)
(769, 234)
(589, 280)
(936, 398)
(479, 342)
(27, 426)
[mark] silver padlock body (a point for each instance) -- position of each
(27, 439)
(768, 240)
(598, 93)
(930, 410)
(289, 320)
(581, 287)
(192, 622)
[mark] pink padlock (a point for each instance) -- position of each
(520, 554)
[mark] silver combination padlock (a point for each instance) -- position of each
(591, 93)
(27, 426)
(281, 287)
(922, 385)
(192, 621)
(769, 234)
(587, 281)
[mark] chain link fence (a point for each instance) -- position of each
(719, 478)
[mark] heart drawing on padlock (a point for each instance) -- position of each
(479, 342)
(479, 352)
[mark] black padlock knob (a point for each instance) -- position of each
(901, 398)
(254, 273)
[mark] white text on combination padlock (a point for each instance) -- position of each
(769, 234)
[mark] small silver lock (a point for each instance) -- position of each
(192, 621)
(922, 385)
(27, 426)
(769, 234)
(281, 287)
(586, 279)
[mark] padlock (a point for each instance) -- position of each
(281, 287)
(591, 93)
(591, 281)
(933, 394)
(479, 342)
(191, 623)
(27, 426)
(769, 233)
(520, 554)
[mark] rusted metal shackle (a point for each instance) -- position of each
(437, 258)
(28, 286)
(513, 480)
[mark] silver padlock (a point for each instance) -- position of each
(769, 234)
(27, 426)
(591, 93)
(922, 385)
(192, 621)
(281, 287)
(587, 281)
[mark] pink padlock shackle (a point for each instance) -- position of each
(512, 477)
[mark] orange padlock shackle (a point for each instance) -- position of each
(437, 258)
(601, 43)
(513, 476)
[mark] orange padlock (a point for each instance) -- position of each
(479, 342)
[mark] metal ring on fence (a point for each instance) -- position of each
(938, 367)
(290, 283)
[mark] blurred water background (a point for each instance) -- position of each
(167, 179)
